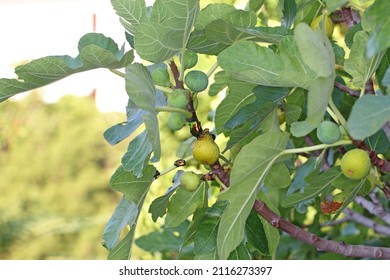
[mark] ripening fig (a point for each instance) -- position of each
(196, 80)
(176, 121)
(178, 98)
(190, 181)
(161, 77)
(356, 164)
(205, 150)
(328, 132)
(190, 59)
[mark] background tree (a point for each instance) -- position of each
(279, 72)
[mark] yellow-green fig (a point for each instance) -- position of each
(356, 164)
(205, 150)
(190, 181)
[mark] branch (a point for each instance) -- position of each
(350, 16)
(346, 89)
(298, 233)
(320, 243)
(375, 208)
(359, 218)
(176, 74)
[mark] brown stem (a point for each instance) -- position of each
(346, 89)
(176, 74)
(310, 142)
(370, 87)
(320, 243)
(350, 16)
(382, 164)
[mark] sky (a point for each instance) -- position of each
(32, 29)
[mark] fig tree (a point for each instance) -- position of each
(176, 121)
(190, 181)
(356, 164)
(328, 132)
(205, 150)
(196, 80)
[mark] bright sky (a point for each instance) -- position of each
(31, 29)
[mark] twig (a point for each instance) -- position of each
(309, 142)
(382, 164)
(350, 16)
(346, 89)
(321, 244)
(376, 209)
(176, 74)
(359, 218)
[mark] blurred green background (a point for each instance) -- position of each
(54, 172)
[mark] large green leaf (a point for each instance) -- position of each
(302, 61)
(318, 185)
(122, 251)
(121, 131)
(249, 62)
(228, 13)
(319, 93)
(278, 177)
(206, 235)
(289, 13)
(382, 73)
(332, 5)
(167, 240)
(216, 27)
(377, 17)
(352, 189)
(158, 207)
(124, 214)
(240, 94)
(140, 87)
(358, 65)
(135, 190)
(255, 233)
(152, 128)
(247, 176)
(316, 50)
(137, 154)
(267, 98)
(226, 33)
(183, 204)
(131, 12)
(168, 30)
(194, 226)
(95, 51)
(368, 115)
(272, 234)
(240, 253)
